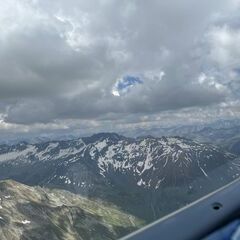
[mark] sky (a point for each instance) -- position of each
(108, 65)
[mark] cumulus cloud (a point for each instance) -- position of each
(77, 60)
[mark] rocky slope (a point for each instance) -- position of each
(39, 213)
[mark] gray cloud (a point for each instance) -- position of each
(60, 60)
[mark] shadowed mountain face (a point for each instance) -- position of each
(39, 213)
(147, 176)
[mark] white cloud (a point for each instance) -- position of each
(225, 46)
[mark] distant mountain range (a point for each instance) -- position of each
(203, 131)
(197, 130)
(225, 133)
(42, 214)
(146, 176)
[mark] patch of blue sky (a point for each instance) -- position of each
(123, 85)
(128, 81)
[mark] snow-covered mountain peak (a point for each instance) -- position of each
(146, 162)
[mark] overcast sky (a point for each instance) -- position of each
(105, 65)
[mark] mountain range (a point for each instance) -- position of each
(147, 177)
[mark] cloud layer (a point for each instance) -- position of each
(61, 61)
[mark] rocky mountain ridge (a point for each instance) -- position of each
(40, 213)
